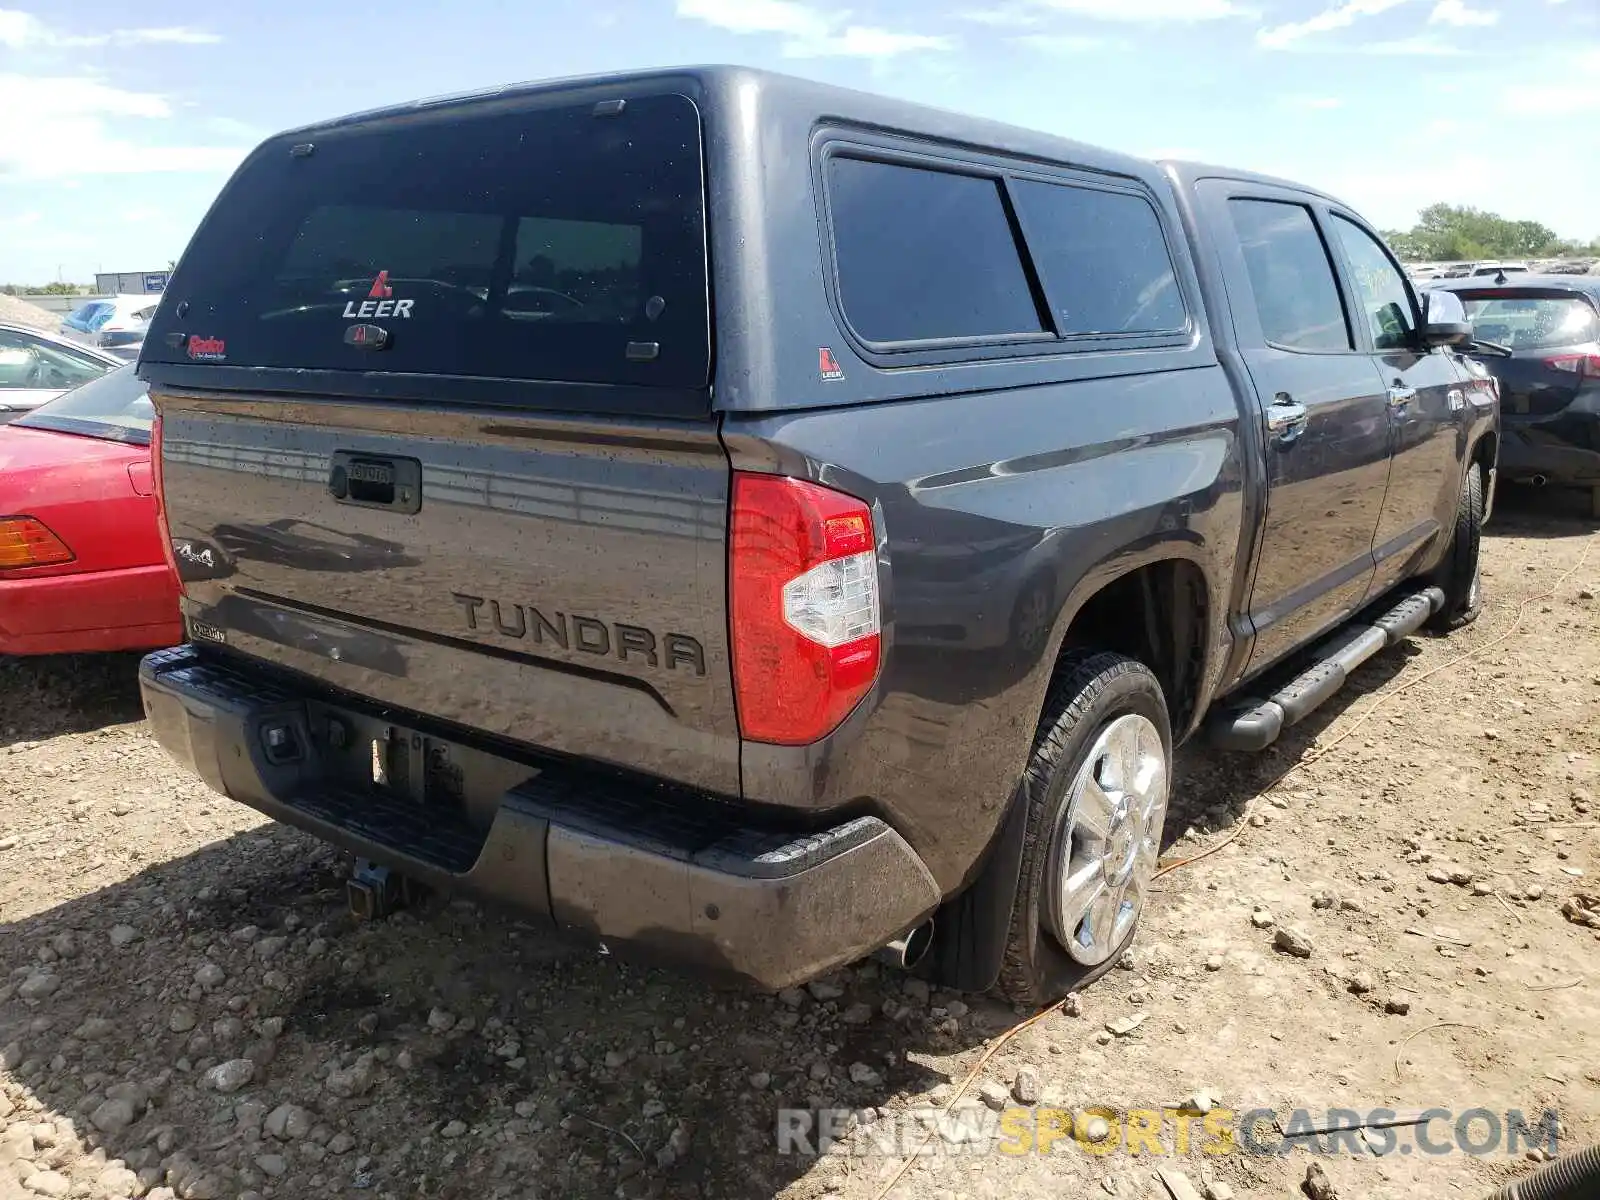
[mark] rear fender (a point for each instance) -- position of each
(971, 928)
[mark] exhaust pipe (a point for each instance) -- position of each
(1539, 480)
(906, 951)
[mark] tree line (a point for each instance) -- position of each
(1451, 233)
(47, 289)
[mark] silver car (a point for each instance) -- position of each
(115, 324)
(36, 367)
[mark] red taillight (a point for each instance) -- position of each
(1587, 365)
(163, 531)
(27, 542)
(804, 594)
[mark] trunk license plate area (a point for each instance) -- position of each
(364, 753)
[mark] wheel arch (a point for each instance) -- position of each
(1161, 608)
(1160, 604)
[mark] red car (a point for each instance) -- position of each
(81, 562)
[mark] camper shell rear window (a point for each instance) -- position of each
(503, 241)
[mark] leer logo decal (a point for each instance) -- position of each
(827, 365)
(378, 302)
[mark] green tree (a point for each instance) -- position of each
(52, 289)
(1446, 232)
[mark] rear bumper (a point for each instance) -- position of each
(1563, 449)
(130, 609)
(679, 875)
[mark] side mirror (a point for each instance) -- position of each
(1444, 320)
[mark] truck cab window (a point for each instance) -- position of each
(1383, 292)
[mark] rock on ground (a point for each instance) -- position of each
(230, 1076)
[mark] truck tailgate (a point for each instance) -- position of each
(556, 581)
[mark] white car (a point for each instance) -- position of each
(116, 323)
(36, 367)
(1500, 268)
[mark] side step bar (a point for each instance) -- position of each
(1256, 724)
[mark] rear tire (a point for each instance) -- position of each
(1459, 575)
(1096, 789)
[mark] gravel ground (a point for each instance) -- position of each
(25, 312)
(186, 1009)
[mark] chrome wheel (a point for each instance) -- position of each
(1107, 842)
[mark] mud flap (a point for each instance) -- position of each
(969, 939)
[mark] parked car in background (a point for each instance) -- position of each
(1499, 268)
(115, 324)
(36, 367)
(82, 566)
(1550, 381)
(1017, 462)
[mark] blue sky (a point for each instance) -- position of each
(119, 122)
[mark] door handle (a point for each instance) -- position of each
(1286, 417)
(1400, 395)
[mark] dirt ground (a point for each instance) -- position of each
(185, 1003)
(24, 312)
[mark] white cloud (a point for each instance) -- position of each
(72, 130)
(1582, 96)
(1006, 16)
(51, 98)
(1456, 12)
(808, 32)
(1064, 43)
(864, 41)
(756, 16)
(1421, 46)
(1033, 14)
(1148, 11)
(1280, 37)
(20, 31)
(178, 35)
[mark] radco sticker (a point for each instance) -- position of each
(207, 349)
(378, 302)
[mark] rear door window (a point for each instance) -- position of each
(1296, 293)
(1102, 259)
(521, 244)
(926, 255)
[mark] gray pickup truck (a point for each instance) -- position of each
(762, 524)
